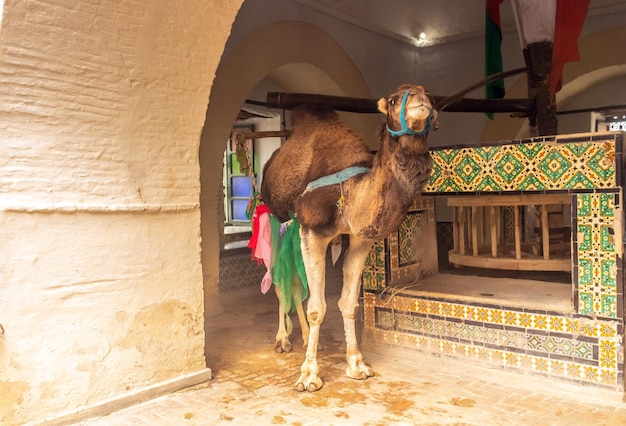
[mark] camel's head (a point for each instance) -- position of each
(409, 111)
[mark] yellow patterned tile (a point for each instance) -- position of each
(422, 306)
(482, 314)
(434, 308)
(458, 311)
(511, 318)
(511, 359)
(541, 365)
(589, 330)
(556, 324)
(572, 326)
(540, 322)
(446, 309)
(471, 313)
(608, 353)
(591, 374)
(573, 370)
(525, 320)
(557, 367)
(496, 316)
(608, 377)
(608, 330)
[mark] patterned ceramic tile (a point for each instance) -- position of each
(525, 167)
(586, 346)
(374, 273)
(408, 249)
(596, 254)
(558, 345)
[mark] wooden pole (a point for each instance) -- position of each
(545, 231)
(518, 233)
(474, 231)
(538, 57)
(281, 100)
(266, 134)
(494, 231)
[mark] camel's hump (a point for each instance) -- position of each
(305, 115)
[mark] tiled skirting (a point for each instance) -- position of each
(237, 270)
(564, 346)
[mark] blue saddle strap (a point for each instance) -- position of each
(335, 178)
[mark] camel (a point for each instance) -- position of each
(327, 177)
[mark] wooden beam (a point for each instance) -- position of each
(281, 100)
(266, 134)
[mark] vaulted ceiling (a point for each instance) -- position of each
(440, 20)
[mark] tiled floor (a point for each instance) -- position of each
(254, 385)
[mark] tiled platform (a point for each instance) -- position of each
(253, 385)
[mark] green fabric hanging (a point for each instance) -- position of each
(287, 264)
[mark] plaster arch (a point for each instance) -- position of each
(299, 57)
(595, 66)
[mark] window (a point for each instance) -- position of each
(237, 184)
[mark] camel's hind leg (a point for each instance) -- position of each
(349, 303)
(296, 291)
(282, 343)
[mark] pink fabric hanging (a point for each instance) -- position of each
(260, 243)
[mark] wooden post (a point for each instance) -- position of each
(518, 233)
(545, 231)
(538, 57)
(455, 229)
(474, 231)
(494, 231)
(462, 230)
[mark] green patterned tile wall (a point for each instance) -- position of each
(596, 254)
(405, 255)
(585, 344)
(375, 271)
(535, 166)
(578, 165)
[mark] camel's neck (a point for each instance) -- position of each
(399, 172)
(404, 165)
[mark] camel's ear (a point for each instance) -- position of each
(382, 105)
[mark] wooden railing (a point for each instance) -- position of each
(479, 237)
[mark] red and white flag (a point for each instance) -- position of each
(558, 21)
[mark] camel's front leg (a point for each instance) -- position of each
(314, 257)
(349, 303)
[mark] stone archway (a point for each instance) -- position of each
(594, 67)
(298, 56)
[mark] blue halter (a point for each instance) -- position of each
(406, 130)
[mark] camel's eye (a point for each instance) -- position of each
(392, 101)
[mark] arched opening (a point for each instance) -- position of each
(295, 56)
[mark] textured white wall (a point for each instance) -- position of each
(102, 104)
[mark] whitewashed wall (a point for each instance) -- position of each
(101, 108)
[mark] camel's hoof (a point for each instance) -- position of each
(315, 384)
(282, 346)
(360, 372)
